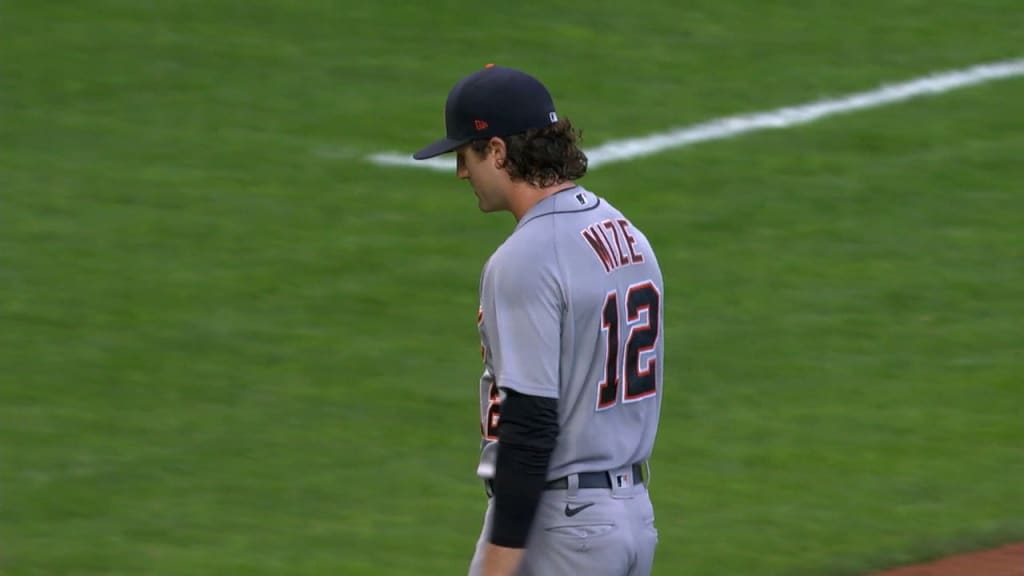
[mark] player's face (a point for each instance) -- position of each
(487, 179)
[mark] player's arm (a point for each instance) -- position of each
(525, 352)
(526, 439)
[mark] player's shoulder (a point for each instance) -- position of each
(525, 248)
(531, 250)
(523, 264)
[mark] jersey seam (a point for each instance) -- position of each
(565, 289)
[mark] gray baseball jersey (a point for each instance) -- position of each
(570, 308)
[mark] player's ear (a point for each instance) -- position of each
(497, 149)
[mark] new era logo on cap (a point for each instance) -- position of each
(480, 125)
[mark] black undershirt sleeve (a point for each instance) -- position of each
(527, 433)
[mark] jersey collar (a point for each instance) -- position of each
(569, 199)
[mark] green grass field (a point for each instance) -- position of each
(229, 345)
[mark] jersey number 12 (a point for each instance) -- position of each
(639, 369)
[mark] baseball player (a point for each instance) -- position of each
(570, 323)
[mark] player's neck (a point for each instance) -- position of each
(524, 196)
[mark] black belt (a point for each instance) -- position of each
(586, 480)
(595, 479)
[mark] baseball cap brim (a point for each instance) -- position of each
(442, 146)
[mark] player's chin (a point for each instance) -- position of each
(486, 206)
(488, 202)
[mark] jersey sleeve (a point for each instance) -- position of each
(527, 314)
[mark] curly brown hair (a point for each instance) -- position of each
(543, 156)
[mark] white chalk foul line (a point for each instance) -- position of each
(728, 127)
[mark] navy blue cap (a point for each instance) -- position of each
(495, 101)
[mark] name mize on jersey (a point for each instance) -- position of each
(612, 243)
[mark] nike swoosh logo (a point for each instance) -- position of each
(570, 512)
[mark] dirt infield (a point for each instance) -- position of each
(1005, 561)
